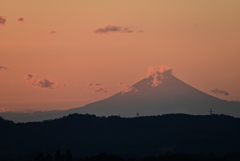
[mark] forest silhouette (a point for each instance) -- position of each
(85, 136)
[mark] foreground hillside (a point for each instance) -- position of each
(87, 135)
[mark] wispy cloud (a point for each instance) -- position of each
(221, 92)
(126, 88)
(158, 75)
(2, 67)
(2, 20)
(94, 84)
(51, 83)
(53, 32)
(113, 28)
(101, 90)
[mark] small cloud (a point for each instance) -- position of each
(45, 84)
(218, 91)
(126, 88)
(53, 32)
(2, 20)
(140, 31)
(20, 19)
(28, 76)
(101, 90)
(110, 28)
(94, 84)
(42, 83)
(4, 109)
(2, 67)
(158, 75)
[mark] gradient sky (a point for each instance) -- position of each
(51, 50)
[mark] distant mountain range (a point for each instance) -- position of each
(169, 95)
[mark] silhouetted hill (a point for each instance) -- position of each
(89, 135)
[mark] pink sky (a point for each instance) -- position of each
(65, 45)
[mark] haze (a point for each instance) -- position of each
(51, 51)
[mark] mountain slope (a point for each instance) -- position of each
(171, 96)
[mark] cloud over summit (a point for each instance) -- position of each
(158, 75)
(126, 88)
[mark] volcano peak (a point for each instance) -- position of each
(169, 95)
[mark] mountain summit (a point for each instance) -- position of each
(159, 93)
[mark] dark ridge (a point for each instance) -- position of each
(87, 135)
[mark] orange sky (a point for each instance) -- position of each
(55, 41)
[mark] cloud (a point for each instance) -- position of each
(52, 32)
(218, 91)
(126, 88)
(158, 75)
(110, 28)
(90, 84)
(45, 84)
(20, 19)
(2, 67)
(28, 76)
(4, 109)
(101, 90)
(94, 84)
(2, 20)
(51, 83)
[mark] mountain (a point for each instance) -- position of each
(170, 96)
(158, 94)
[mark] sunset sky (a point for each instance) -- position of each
(58, 54)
